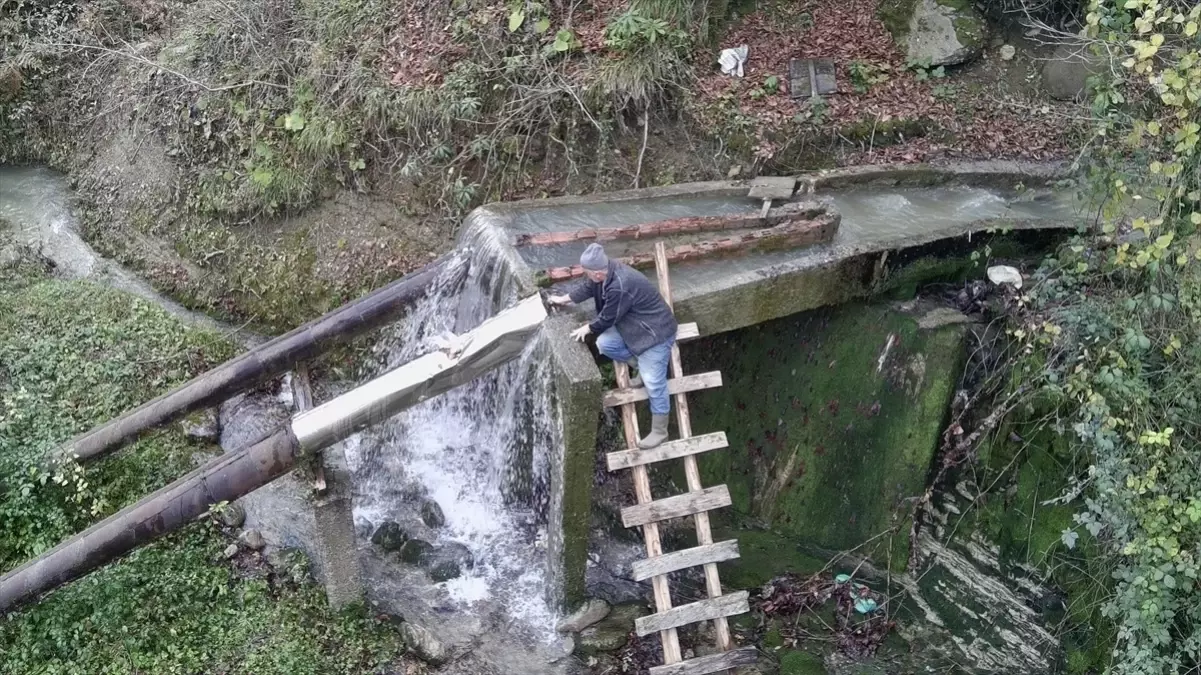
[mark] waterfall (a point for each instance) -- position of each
(484, 451)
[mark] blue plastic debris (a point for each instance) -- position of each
(865, 605)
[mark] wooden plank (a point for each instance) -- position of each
(689, 557)
(791, 233)
(687, 331)
(713, 663)
(650, 531)
(625, 459)
(679, 385)
(692, 473)
(678, 506)
(694, 612)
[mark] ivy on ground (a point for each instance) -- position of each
(74, 354)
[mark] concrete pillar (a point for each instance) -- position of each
(578, 392)
(334, 537)
(334, 542)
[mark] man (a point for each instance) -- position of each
(633, 325)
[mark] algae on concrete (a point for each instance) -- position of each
(833, 417)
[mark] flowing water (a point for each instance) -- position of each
(484, 452)
(36, 203)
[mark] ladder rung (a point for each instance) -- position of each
(687, 331)
(713, 663)
(695, 612)
(676, 507)
(683, 447)
(689, 557)
(679, 385)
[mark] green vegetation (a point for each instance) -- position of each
(73, 354)
(1107, 336)
(171, 608)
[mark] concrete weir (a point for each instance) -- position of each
(897, 222)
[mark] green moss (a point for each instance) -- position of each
(905, 282)
(1029, 463)
(895, 15)
(969, 28)
(763, 556)
(832, 418)
(796, 662)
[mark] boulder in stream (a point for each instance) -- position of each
(231, 515)
(252, 539)
(423, 643)
(432, 515)
(389, 536)
(202, 426)
(414, 550)
(447, 561)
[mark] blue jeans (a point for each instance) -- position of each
(652, 366)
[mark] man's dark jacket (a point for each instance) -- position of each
(626, 299)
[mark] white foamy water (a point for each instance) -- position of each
(482, 451)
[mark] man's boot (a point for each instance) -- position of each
(635, 380)
(658, 432)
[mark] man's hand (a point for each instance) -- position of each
(559, 300)
(580, 333)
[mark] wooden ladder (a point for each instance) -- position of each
(697, 502)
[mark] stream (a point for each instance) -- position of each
(37, 203)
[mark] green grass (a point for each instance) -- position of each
(169, 608)
(73, 354)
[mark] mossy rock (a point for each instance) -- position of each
(612, 632)
(763, 556)
(935, 32)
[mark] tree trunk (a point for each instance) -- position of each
(268, 360)
(232, 475)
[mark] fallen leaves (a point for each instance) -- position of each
(965, 122)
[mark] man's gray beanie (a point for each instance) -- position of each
(594, 258)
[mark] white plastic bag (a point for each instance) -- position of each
(731, 60)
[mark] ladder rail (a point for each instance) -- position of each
(692, 473)
(650, 531)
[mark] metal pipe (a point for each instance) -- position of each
(270, 359)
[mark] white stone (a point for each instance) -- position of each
(1008, 52)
